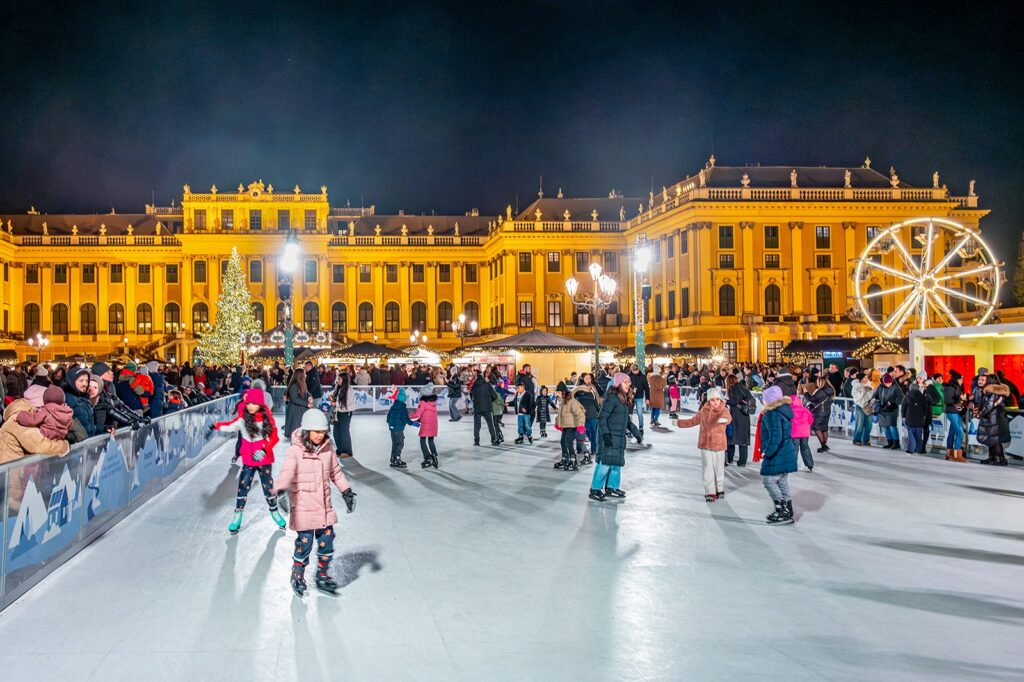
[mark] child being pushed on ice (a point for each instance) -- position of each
(712, 418)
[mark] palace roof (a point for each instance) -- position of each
(87, 223)
(580, 209)
(418, 225)
(807, 176)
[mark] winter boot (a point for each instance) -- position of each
(560, 464)
(236, 523)
(278, 519)
(958, 456)
(397, 463)
(298, 578)
(426, 463)
(721, 494)
(433, 461)
(949, 454)
(324, 582)
(596, 495)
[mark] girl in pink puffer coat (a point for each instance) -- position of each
(802, 420)
(426, 415)
(310, 466)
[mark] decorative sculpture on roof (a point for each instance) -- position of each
(186, 189)
(323, 190)
(792, 178)
(46, 229)
(508, 212)
(847, 179)
(10, 228)
(213, 188)
(376, 230)
(679, 190)
(650, 199)
(970, 191)
(593, 215)
(711, 161)
(867, 162)
(538, 214)
(351, 228)
(622, 214)
(565, 215)
(456, 228)
(405, 230)
(560, 195)
(74, 230)
(296, 189)
(241, 189)
(430, 230)
(935, 180)
(103, 229)
(130, 230)
(745, 180)
(270, 188)
(703, 178)
(640, 208)
(894, 179)
(664, 194)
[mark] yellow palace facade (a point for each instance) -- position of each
(744, 259)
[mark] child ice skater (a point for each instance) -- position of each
(802, 420)
(712, 418)
(778, 454)
(398, 419)
(544, 404)
(523, 403)
(258, 434)
(570, 420)
(426, 415)
(310, 466)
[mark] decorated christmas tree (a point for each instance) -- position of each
(235, 322)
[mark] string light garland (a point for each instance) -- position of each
(235, 323)
(880, 345)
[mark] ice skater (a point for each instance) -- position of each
(778, 454)
(398, 419)
(310, 466)
(523, 403)
(426, 415)
(570, 419)
(712, 418)
(258, 435)
(544, 404)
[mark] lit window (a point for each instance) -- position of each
(526, 313)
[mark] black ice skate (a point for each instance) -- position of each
(530, 439)
(543, 433)
(596, 495)
(326, 583)
(298, 579)
(615, 492)
(519, 441)
(780, 516)
(587, 459)
(397, 463)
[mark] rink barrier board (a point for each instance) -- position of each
(53, 507)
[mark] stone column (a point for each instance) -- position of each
(186, 297)
(130, 326)
(17, 304)
(430, 275)
(404, 297)
(324, 302)
(213, 284)
(102, 301)
(796, 235)
(74, 298)
(377, 276)
(748, 255)
(156, 277)
(46, 304)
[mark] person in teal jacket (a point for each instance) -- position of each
(398, 419)
(779, 455)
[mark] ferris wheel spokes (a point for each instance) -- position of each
(908, 260)
(966, 273)
(883, 292)
(953, 252)
(939, 305)
(900, 314)
(960, 294)
(892, 271)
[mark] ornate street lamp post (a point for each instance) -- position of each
(416, 338)
(641, 261)
(39, 341)
(604, 289)
(286, 264)
(462, 330)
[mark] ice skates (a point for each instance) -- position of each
(236, 523)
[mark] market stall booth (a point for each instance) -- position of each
(846, 352)
(997, 347)
(552, 357)
(666, 354)
(363, 353)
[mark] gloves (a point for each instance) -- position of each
(350, 500)
(284, 502)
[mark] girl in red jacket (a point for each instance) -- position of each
(256, 426)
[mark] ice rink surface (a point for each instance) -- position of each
(497, 567)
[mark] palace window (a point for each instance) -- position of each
(60, 274)
(7, 273)
(554, 313)
(729, 351)
(172, 318)
(417, 272)
(823, 260)
(364, 272)
(31, 319)
(823, 300)
(419, 316)
(611, 315)
(145, 273)
(201, 317)
(657, 251)
(255, 219)
(199, 218)
(224, 269)
(526, 313)
(280, 314)
(726, 260)
(198, 272)
(391, 272)
(525, 261)
(657, 307)
(582, 261)
(171, 273)
(873, 231)
(774, 351)
(88, 315)
(772, 301)
(670, 246)
(725, 237)
(60, 319)
(471, 272)
(309, 220)
(671, 304)
(772, 260)
(365, 317)
(726, 300)
(444, 316)
(227, 218)
(971, 289)
(31, 274)
(391, 318)
(117, 273)
(582, 317)
(684, 302)
(611, 261)
(143, 319)
(338, 274)
(115, 320)
(875, 302)
(771, 236)
(822, 237)
(309, 272)
(339, 318)
(684, 242)
(257, 314)
(283, 220)
(554, 261)
(89, 274)
(444, 272)
(311, 317)
(255, 271)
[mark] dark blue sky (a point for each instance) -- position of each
(456, 106)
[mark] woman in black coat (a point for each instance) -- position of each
(821, 407)
(297, 401)
(612, 423)
(993, 427)
(740, 400)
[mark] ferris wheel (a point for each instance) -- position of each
(931, 271)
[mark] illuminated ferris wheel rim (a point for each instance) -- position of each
(924, 282)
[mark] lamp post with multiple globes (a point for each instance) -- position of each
(604, 290)
(39, 341)
(462, 330)
(286, 265)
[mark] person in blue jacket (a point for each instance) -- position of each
(398, 419)
(156, 403)
(778, 453)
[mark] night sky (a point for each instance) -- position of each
(452, 107)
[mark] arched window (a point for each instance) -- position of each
(115, 319)
(875, 302)
(88, 314)
(280, 315)
(339, 318)
(143, 319)
(955, 303)
(391, 322)
(311, 317)
(971, 289)
(772, 300)
(726, 300)
(823, 299)
(200, 317)
(60, 319)
(444, 316)
(472, 312)
(31, 319)
(419, 316)
(172, 318)
(257, 314)
(365, 317)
